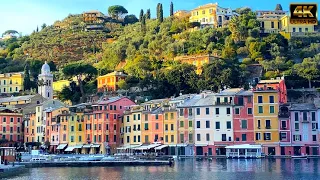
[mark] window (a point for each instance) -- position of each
(217, 111)
(72, 139)
(166, 138)
(157, 125)
(95, 126)
(99, 138)
(314, 126)
(146, 126)
(99, 126)
(218, 100)
(114, 138)
(80, 138)
(268, 124)
(128, 139)
(244, 137)
(198, 137)
(172, 127)
(128, 118)
(107, 126)
(156, 137)
(146, 117)
(267, 136)
(306, 29)
(4, 119)
(190, 137)
(11, 129)
(228, 110)
(249, 99)
(258, 136)
(208, 137)
(296, 126)
(166, 116)
(146, 138)
(271, 99)
(72, 128)
(190, 123)
(166, 127)
(114, 116)
(198, 111)
(207, 124)
(313, 116)
(198, 124)
(293, 29)
(203, 12)
(157, 116)
(260, 99)
(296, 137)
(190, 112)
(114, 127)
(244, 124)
(207, 111)
(134, 139)
(314, 137)
(228, 124)
(172, 138)
(181, 112)
(181, 123)
(260, 109)
(115, 107)
(224, 137)
(271, 109)
(249, 110)
(181, 138)
(283, 135)
(171, 115)
(217, 125)
(99, 115)
(304, 115)
(138, 116)
(300, 29)
(283, 124)
(272, 24)
(107, 116)
(225, 99)
(18, 119)
(296, 116)
(237, 111)
(134, 117)
(11, 119)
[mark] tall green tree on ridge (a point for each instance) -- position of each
(158, 10)
(26, 79)
(141, 15)
(116, 11)
(171, 9)
(148, 14)
(160, 14)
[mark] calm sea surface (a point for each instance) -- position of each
(190, 169)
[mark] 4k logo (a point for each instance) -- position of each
(303, 14)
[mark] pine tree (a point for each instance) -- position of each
(160, 14)
(171, 9)
(37, 29)
(141, 15)
(26, 79)
(148, 14)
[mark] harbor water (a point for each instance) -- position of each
(271, 169)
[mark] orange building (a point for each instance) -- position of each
(11, 125)
(154, 126)
(198, 60)
(109, 82)
(29, 127)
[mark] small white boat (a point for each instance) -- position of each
(108, 158)
(91, 158)
(39, 159)
(299, 157)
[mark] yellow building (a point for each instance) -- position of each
(182, 14)
(170, 126)
(76, 131)
(109, 82)
(11, 82)
(198, 60)
(270, 21)
(132, 125)
(288, 30)
(59, 85)
(205, 15)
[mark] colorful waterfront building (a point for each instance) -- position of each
(109, 82)
(11, 82)
(11, 125)
(204, 124)
(133, 127)
(29, 127)
(285, 138)
(304, 125)
(186, 122)
(243, 123)
(267, 96)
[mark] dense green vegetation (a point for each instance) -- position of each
(148, 47)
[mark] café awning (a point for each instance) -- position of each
(161, 147)
(86, 146)
(71, 148)
(61, 146)
(147, 147)
(95, 145)
(78, 146)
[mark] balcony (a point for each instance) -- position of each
(268, 127)
(284, 115)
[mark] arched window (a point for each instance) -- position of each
(48, 94)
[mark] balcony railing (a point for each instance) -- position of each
(268, 127)
(283, 115)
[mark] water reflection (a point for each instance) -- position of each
(190, 169)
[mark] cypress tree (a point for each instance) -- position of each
(158, 10)
(143, 23)
(26, 79)
(141, 15)
(160, 14)
(171, 9)
(148, 14)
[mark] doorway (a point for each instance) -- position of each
(283, 151)
(199, 151)
(308, 150)
(271, 151)
(297, 150)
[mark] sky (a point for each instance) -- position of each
(25, 15)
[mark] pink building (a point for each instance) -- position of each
(304, 126)
(243, 124)
(106, 122)
(285, 130)
(11, 125)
